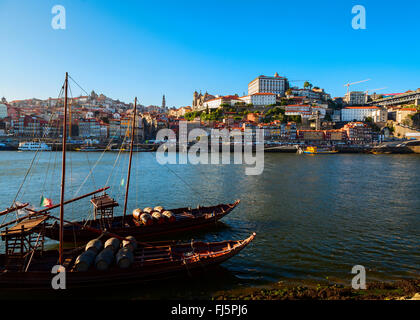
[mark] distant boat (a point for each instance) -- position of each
(319, 150)
(86, 148)
(33, 146)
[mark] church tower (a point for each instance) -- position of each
(163, 102)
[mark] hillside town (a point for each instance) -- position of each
(286, 112)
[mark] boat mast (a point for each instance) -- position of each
(131, 156)
(63, 172)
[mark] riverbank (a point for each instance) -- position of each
(300, 290)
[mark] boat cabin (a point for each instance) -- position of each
(103, 207)
(22, 241)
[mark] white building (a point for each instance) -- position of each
(380, 115)
(355, 98)
(260, 99)
(217, 102)
(357, 113)
(265, 84)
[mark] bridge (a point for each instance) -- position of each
(408, 97)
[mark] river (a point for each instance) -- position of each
(315, 216)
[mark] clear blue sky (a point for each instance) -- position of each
(151, 48)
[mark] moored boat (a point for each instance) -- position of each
(319, 150)
(185, 219)
(33, 146)
(148, 262)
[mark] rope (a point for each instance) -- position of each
(30, 167)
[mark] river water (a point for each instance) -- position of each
(315, 216)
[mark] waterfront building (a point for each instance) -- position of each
(89, 128)
(260, 99)
(115, 129)
(355, 98)
(357, 113)
(358, 132)
(310, 135)
(335, 135)
(288, 131)
(29, 126)
(267, 84)
(3, 111)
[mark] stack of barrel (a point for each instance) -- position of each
(103, 256)
(156, 215)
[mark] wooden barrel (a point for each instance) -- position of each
(85, 260)
(146, 219)
(124, 258)
(157, 217)
(130, 243)
(158, 209)
(113, 243)
(104, 259)
(148, 210)
(169, 216)
(95, 245)
(136, 213)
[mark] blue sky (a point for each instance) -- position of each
(150, 48)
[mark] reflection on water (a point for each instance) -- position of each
(315, 216)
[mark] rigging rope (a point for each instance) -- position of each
(31, 165)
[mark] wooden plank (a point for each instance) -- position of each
(27, 225)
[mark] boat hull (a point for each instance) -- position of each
(320, 152)
(140, 271)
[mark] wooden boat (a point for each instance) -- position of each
(185, 219)
(153, 261)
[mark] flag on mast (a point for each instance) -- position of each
(45, 202)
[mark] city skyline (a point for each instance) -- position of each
(124, 50)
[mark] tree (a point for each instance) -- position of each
(306, 85)
(289, 92)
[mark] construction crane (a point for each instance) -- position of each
(349, 84)
(374, 90)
